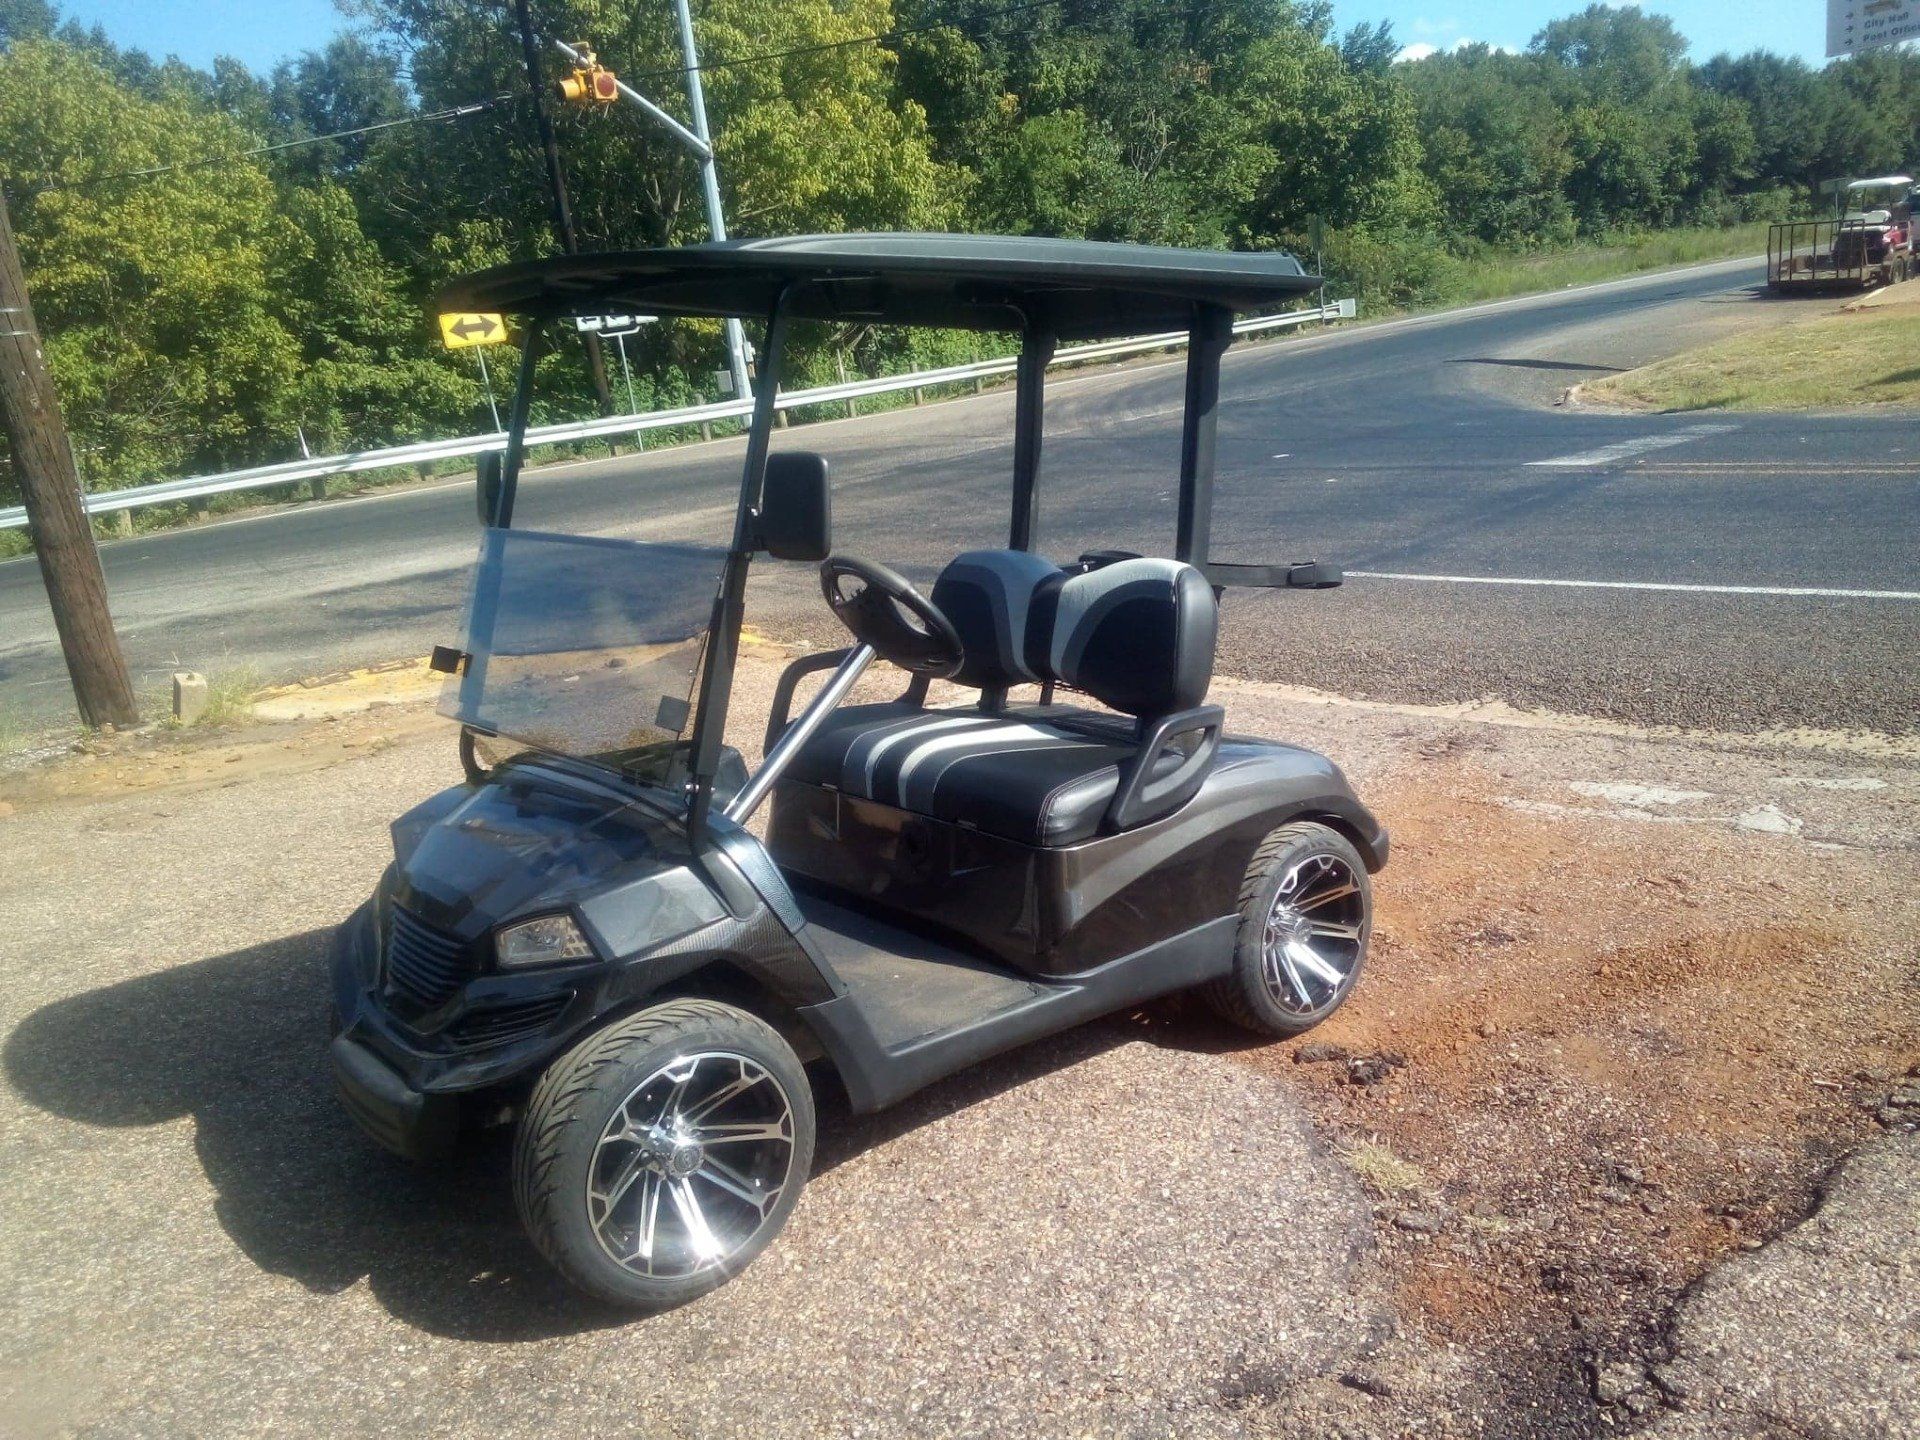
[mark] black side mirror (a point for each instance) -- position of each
(796, 511)
(489, 479)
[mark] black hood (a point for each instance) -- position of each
(529, 837)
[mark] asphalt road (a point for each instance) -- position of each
(1424, 455)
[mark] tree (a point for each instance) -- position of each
(198, 316)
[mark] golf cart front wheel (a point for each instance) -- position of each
(659, 1156)
(1306, 911)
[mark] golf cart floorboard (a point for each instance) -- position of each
(907, 985)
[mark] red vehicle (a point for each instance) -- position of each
(1869, 244)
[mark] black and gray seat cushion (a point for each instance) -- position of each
(1043, 776)
(1137, 635)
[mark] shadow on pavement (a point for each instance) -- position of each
(238, 1043)
(1539, 364)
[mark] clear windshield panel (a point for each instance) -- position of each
(586, 647)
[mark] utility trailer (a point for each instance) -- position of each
(1867, 244)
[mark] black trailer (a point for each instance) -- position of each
(1869, 242)
(587, 936)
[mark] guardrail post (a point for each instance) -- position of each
(840, 369)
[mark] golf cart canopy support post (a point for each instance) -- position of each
(1207, 341)
(517, 417)
(729, 606)
(1029, 423)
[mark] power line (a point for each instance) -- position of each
(970, 26)
(967, 27)
(451, 113)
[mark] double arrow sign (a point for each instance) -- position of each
(460, 332)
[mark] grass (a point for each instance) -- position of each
(1498, 277)
(1382, 1169)
(230, 696)
(1871, 357)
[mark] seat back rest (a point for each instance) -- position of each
(1137, 635)
(988, 596)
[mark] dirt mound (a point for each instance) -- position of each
(1627, 1051)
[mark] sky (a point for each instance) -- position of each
(263, 32)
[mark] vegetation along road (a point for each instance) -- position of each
(1725, 572)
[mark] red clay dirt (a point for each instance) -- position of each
(1627, 1050)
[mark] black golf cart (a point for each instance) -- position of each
(585, 933)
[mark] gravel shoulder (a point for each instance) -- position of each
(1819, 1333)
(1632, 997)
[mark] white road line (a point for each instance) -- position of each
(1790, 590)
(1627, 449)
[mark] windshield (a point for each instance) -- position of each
(586, 647)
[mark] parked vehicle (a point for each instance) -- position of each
(1869, 243)
(587, 935)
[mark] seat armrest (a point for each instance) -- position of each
(790, 679)
(1141, 797)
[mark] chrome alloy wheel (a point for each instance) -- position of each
(1315, 933)
(690, 1165)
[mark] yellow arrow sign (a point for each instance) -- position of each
(462, 331)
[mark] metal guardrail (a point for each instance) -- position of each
(291, 472)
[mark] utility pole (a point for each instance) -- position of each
(710, 186)
(62, 534)
(700, 143)
(557, 181)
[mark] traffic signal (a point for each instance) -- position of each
(590, 82)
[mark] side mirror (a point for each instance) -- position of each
(796, 511)
(489, 479)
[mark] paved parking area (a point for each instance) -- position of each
(1135, 1229)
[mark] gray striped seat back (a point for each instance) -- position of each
(989, 596)
(1137, 635)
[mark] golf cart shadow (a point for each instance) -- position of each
(237, 1044)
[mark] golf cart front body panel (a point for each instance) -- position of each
(1055, 911)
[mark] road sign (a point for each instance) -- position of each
(462, 331)
(1854, 25)
(611, 325)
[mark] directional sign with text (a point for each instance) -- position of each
(463, 331)
(611, 325)
(1854, 25)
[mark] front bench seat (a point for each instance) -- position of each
(1137, 635)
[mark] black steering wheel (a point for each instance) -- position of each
(882, 609)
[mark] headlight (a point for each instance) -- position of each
(546, 941)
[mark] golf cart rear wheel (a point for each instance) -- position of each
(658, 1157)
(1306, 911)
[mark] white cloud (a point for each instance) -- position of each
(1420, 49)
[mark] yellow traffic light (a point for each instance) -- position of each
(590, 82)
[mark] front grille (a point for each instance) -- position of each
(500, 1023)
(426, 965)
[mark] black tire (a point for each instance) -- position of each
(1246, 996)
(557, 1153)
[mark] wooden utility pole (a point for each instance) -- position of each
(43, 461)
(557, 183)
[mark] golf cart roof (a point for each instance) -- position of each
(1879, 181)
(1073, 289)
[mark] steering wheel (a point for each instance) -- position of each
(882, 609)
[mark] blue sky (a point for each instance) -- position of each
(265, 31)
